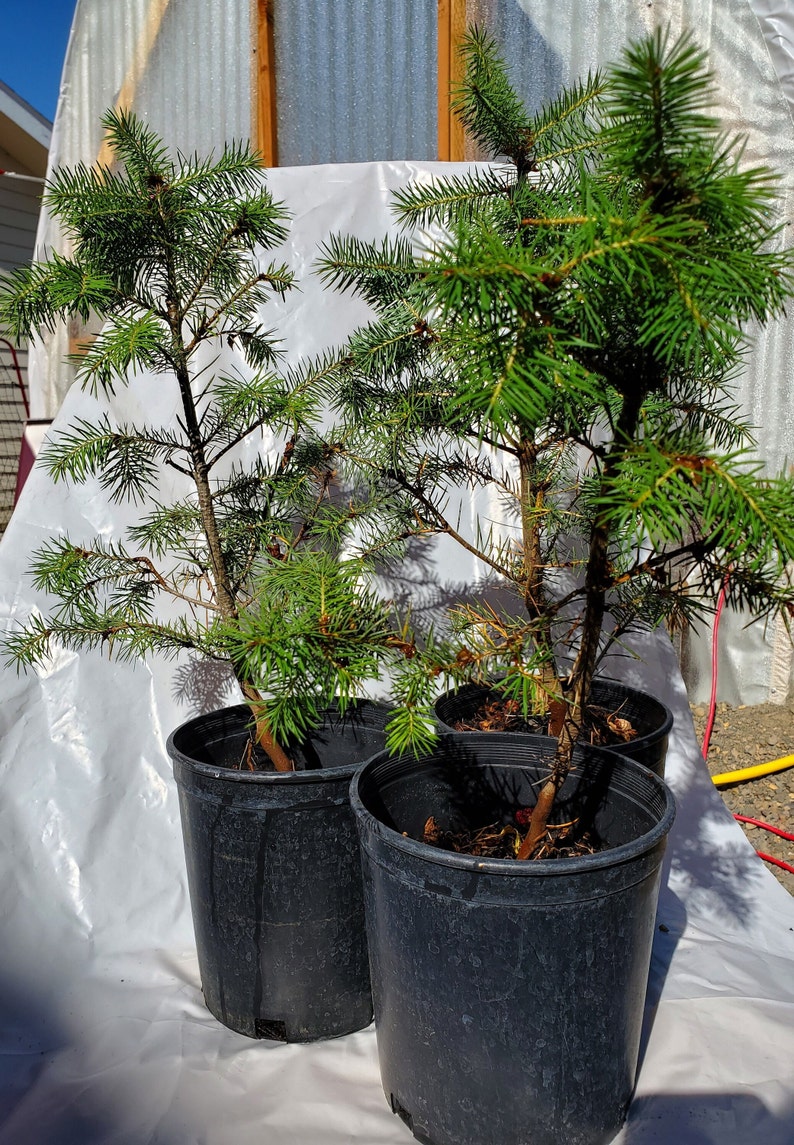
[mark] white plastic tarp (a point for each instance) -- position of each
(103, 1034)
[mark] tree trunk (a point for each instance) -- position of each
(532, 492)
(220, 575)
(581, 677)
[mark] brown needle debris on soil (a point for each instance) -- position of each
(502, 716)
(602, 727)
(498, 841)
(741, 737)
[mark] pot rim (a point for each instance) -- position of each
(658, 733)
(232, 775)
(537, 868)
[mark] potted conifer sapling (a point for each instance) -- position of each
(562, 335)
(234, 559)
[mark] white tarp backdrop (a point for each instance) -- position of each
(103, 1036)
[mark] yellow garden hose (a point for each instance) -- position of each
(753, 772)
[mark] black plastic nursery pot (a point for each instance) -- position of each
(275, 877)
(651, 719)
(509, 995)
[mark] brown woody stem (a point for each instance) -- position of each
(226, 600)
(539, 821)
(264, 736)
(532, 492)
(581, 677)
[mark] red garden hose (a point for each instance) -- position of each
(707, 739)
(713, 700)
(775, 831)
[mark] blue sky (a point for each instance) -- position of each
(34, 36)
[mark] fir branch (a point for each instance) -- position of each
(568, 128)
(378, 274)
(280, 279)
(131, 340)
(124, 458)
(441, 524)
(487, 105)
(34, 296)
(311, 622)
(454, 199)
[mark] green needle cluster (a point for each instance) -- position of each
(563, 330)
(245, 564)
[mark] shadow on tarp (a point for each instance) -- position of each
(203, 685)
(721, 877)
(43, 1100)
(706, 1119)
(671, 918)
(31, 1039)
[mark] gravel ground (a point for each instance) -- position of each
(743, 737)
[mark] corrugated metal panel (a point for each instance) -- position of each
(185, 68)
(185, 63)
(198, 82)
(356, 81)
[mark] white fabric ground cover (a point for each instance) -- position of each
(103, 1034)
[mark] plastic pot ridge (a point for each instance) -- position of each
(275, 878)
(651, 719)
(508, 996)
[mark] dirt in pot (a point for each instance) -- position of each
(305, 757)
(501, 841)
(335, 744)
(253, 758)
(602, 728)
(498, 715)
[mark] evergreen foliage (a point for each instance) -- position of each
(564, 330)
(243, 567)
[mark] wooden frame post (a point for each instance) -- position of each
(265, 85)
(451, 26)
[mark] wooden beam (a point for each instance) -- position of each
(265, 85)
(451, 26)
